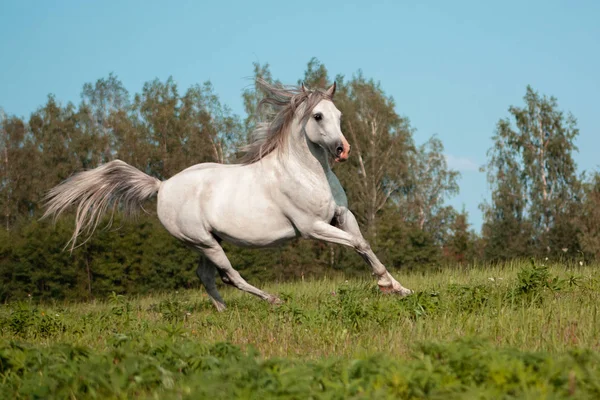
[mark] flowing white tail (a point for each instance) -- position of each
(94, 191)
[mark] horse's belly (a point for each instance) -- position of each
(247, 217)
(262, 230)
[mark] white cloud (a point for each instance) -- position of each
(462, 164)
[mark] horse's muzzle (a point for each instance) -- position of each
(342, 150)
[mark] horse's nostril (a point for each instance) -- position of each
(340, 150)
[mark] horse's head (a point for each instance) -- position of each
(323, 127)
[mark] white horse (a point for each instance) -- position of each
(284, 188)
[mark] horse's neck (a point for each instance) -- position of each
(307, 154)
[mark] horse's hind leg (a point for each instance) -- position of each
(206, 272)
(215, 254)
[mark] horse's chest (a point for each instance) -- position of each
(323, 208)
(317, 202)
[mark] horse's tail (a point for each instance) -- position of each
(95, 190)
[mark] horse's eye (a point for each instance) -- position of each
(318, 116)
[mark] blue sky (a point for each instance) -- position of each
(453, 68)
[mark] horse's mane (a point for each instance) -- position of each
(281, 103)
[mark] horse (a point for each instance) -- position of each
(282, 188)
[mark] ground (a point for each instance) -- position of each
(516, 330)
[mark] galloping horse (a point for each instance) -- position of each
(283, 188)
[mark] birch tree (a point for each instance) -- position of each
(531, 168)
(432, 182)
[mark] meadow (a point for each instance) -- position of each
(518, 330)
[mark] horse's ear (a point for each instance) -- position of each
(304, 89)
(331, 91)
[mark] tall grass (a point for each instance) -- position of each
(498, 320)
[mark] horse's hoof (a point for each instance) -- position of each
(219, 306)
(402, 291)
(386, 289)
(275, 301)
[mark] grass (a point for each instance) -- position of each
(515, 330)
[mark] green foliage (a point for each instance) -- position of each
(471, 333)
(403, 245)
(471, 298)
(136, 257)
(535, 189)
(422, 304)
(588, 218)
(354, 307)
(27, 321)
(464, 368)
(532, 283)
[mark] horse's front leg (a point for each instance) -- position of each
(347, 232)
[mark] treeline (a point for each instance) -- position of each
(396, 187)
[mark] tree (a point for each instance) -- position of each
(101, 102)
(253, 95)
(381, 146)
(532, 174)
(57, 137)
(460, 245)
(18, 154)
(431, 183)
(186, 130)
(212, 131)
(588, 218)
(157, 107)
(316, 75)
(506, 230)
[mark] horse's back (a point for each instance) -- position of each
(208, 165)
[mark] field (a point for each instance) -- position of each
(513, 331)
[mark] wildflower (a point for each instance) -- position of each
(492, 279)
(57, 315)
(564, 249)
(581, 263)
(188, 313)
(546, 259)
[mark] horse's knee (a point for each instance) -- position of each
(362, 246)
(339, 218)
(225, 277)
